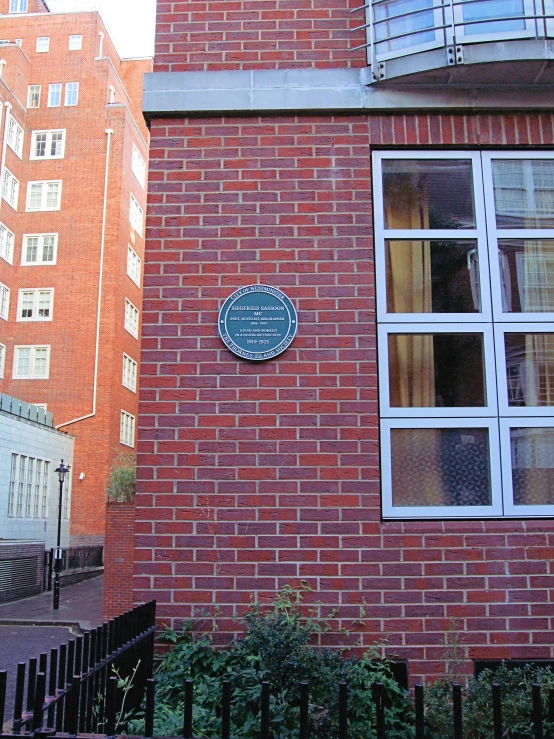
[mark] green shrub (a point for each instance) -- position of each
(122, 479)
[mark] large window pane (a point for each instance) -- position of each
(393, 33)
(494, 11)
(422, 194)
(436, 370)
(527, 275)
(524, 192)
(532, 465)
(530, 369)
(432, 277)
(440, 467)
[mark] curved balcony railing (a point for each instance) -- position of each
(405, 28)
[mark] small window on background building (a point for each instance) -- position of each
(2, 360)
(71, 94)
(48, 144)
(10, 188)
(33, 96)
(39, 249)
(136, 215)
(129, 379)
(35, 305)
(6, 244)
(28, 491)
(131, 318)
(15, 136)
(112, 94)
(134, 263)
(55, 95)
(43, 44)
(127, 429)
(138, 166)
(4, 301)
(31, 362)
(18, 6)
(75, 43)
(44, 195)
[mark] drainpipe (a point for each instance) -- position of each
(101, 44)
(109, 132)
(8, 107)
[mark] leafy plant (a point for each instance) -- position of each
(276, 648)
(123, 718)
(122, 479)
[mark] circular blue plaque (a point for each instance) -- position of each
(257, 322)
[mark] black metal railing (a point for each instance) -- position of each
(73, 689)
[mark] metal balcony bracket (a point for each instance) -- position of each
(454, 55)
(459, 54)
(380, 72)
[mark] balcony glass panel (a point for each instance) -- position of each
(493, 11)
(433, 276)
(428, 194)
(524, 193)
(394, 30)
(532, 465)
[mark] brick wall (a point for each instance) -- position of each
(257, 34)
(255, 476)
(118, 559)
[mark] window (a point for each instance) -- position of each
(466, 333)
(127, 431)
(10, 188)
(33, 96)
(135, 216)
(71, 93)
(31, 362)
(44, 195)
(15, 136)
(133, 265)
(129, 373)
(75, 43)
(4, 301)
(18, 6)
(35, 305)
(6, 243)
(39, 249)
(48, 144)
(138, 166)
(55, 95)
(2, 360)
(28, 491)
(131, 318)
(43, 44)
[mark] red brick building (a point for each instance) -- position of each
(392, 171)
(74, 161)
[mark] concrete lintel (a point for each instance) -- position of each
(321, 90)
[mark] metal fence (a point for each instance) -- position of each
(73, 689)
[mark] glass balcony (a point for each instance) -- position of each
(422, 37)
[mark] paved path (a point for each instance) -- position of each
(29, 627)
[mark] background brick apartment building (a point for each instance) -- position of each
(400, 192)
(73, 173)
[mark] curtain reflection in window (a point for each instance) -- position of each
(532, 451)
(530, 369)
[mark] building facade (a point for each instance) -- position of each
(74, 164)
(391, 169)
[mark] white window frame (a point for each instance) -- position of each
(138, 166)
(18, 497)
(15, 136)
(44, 194)
(4, 301)
(127, 429)
(2, 360)
(31, 91)
(136, 216)
(51, 92)
(40, 250)
(69, 92)
(438, 41)
(49, 135)
(10, 184)
(134, 265)
(132, 319)
(129, 373)
(43, 45)
(36, 295)
(18, 6)
(73, 44)
(493, 323)
(7, 240)
(528, 31)
(31, 375)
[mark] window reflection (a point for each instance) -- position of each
(532, 451)
(530, 369)
(494, 10)
(413, 30)
(524, 193)
(527, 275)
(428, 194)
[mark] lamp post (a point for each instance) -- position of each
(62, 472)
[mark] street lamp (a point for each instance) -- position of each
(62, 472)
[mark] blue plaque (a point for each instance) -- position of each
(257, 322)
